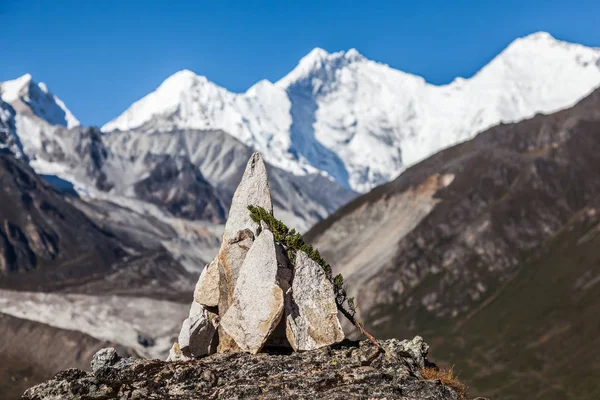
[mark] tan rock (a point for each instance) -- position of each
(230, 260)
(175, 354)
(252, 190)
(311, 311)
(257, 305)
(206, 292)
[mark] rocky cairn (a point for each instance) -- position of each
(252, 294)
(263, 324)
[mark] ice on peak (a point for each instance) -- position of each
(38, 99)
(540, 42)
(260, 87)
(333, 111)
(353, 55)
(185, 72)
(43, 87)
(541, 35)
(316, 54)
(317, 57)
(182, 80)
(319, 60)
(13, 89)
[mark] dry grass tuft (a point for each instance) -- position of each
(447, 378)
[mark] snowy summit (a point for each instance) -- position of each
(26, 95)
(363, 122)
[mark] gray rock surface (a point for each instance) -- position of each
(311, 311)
(103, 358)
(198, 336)
(349, 370)
(258, 302)
(416, 349)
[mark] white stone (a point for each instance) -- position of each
(258, 302)
(252, 190)
(311, 311)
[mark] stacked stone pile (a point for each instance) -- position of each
(252, 295)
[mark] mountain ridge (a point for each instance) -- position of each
(24, 93)
(322, 115)
(491, 242)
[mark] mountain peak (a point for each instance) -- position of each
(316, 54)
(537, 36)
(541, 42)
(12, 90)
(180, 92)
(317, 60)
(38, 100)
(183, 80)
(353, 55)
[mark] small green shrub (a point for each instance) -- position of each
(293, 243)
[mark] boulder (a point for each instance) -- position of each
(198, 335)
(257, 303)
(238, 235)
(252, 190)
(230, 259)
(415, 349)
(311, 311)
(103, 358)
(207, 288)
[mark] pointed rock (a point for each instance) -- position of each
(257, 306)
(311, 311)
(239, 228)
(207, 288)
(252, 190)
(198, 335)
(239, 235)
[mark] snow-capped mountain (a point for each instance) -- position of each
(363, 122)
(27, 96)
(166, 168)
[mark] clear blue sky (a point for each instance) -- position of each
(100, 56)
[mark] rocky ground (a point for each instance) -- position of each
(349, 370)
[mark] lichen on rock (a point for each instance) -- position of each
(349, 370)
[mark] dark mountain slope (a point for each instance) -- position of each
(539, 335)
(27, 356)
(178, 186)
(43, 235)
(48, 244)
(444, 238)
